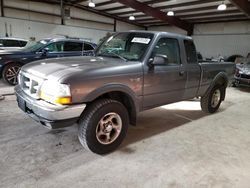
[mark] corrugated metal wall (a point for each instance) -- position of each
(217, 39)
(223, 39)
(25, 24)
(225, 45)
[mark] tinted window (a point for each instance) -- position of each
(170, 48)
(190, 51)
(1, 42)
(72, 46)
(11, 43)
(55, 47)
(88, 47)
(22, 43)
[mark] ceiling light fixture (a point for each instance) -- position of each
(131, 17)
(222, 6)
(91, 4)
(170, 13)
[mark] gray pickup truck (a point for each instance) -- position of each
(130, 72)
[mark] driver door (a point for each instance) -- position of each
(164, 83)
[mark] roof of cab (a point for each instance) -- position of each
(160, 33)
(67, 39)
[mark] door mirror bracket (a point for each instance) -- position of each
(44, 51)
(158, 60)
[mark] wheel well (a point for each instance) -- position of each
(126, 100)
(222, 81)
(8, 63)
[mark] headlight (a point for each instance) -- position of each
(55, 93)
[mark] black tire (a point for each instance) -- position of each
(10, 73)
(207, 102)
(89, 125)
(233, 84)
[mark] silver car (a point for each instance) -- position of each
(7, 43)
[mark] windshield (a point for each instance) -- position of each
(128, 46)
(34, 46)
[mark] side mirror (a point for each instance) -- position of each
(44, 51)
(158, 60)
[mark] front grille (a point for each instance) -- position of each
(30, 84)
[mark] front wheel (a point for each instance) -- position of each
(10, 73)
(103, 126)
(211, 101)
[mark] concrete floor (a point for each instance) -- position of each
(172, 146)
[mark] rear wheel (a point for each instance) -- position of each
(103, 126)
(233, 84)
(10, 73)
(211, 101)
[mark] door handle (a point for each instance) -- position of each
(181, 73)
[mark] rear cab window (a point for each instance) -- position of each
(191, 54)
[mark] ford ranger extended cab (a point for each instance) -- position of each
(130, 72)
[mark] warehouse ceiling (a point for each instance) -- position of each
(193, 11)
(154, 12)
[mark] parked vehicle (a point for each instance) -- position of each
(232, 58)
(103, 94)
(11, 61)
(242, 73)
(7, 43)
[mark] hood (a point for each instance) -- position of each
(244, 68)
(59, 67)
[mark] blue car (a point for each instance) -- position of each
(11, 61)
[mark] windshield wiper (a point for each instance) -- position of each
(117, 55)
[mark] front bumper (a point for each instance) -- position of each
(49, 115)
(241, 81)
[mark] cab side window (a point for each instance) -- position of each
(55, 47)
(190, 51)
(11, 43)
(22, 43)
(170, 48)
(72, 46)
(88, 47)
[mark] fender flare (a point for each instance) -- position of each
(114, 87)
(220, 75)
(216, 80)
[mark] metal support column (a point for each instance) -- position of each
(2, 8)
(62, 13)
